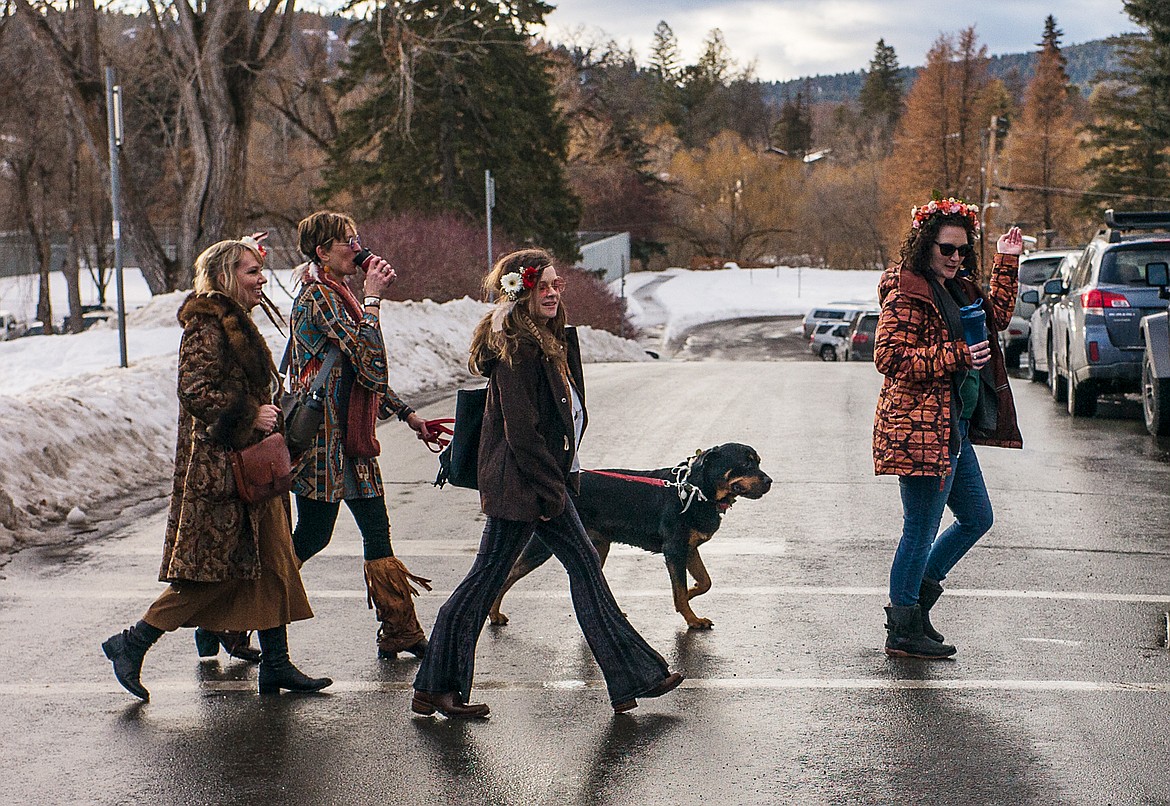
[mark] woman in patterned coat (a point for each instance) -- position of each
(230, 564)
(940, 396)
(342, 465)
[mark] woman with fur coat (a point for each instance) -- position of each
(230, 564)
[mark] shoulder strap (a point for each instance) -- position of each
(332, 354)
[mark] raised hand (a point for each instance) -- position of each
(1011, 242)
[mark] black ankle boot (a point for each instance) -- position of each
(928, 593)
(236, 644)
(905, 639)
(277, 671)
(127, 649)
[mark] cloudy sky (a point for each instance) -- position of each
(794, 38)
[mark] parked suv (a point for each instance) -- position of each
(828, 341)
(1096, 343)
(1039, 329)
(859, 344)
(1035, 269)
(834, 312)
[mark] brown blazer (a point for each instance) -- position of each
(912, 424)
(527, 444)
(225, 375)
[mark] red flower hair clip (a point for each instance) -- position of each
(529, 275)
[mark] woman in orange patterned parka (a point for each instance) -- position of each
(940, 396)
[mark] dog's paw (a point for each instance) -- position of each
(700, 624)
(497, 619)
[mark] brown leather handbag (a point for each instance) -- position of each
(263, 470)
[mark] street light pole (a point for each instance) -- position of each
(114, 129)
(489, 193)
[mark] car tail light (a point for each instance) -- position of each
(1096, 301)
(1094, 351)
(860, 338)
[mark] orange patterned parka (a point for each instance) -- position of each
(912, 425)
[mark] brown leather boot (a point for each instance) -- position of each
(449, 704)
(389, 590)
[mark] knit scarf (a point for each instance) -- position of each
(361, 416)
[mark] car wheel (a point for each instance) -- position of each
(1035, 375)
(828, 353)
(1155, 400)
(1082, 397)
(1056, 385)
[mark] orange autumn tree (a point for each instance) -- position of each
(938, 145)
(1043, 160)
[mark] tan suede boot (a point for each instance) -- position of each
(389, 590)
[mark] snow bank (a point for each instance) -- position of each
(81, 431)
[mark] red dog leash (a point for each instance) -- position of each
(624, 477)
(441, 433)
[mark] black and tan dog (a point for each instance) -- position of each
(671, 511)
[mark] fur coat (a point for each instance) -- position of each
(912, 425)
(225, 375)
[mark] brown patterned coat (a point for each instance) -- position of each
(225, 375)
(912, 426)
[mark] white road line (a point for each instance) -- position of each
(20, 591)
(711, 684)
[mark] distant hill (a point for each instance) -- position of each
(1084, 62)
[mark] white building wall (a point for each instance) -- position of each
(611, 255)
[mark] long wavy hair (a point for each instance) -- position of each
(915, 253)
(518, 319)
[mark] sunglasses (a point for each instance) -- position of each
(355, 242)
(557, 285)
(949, 249)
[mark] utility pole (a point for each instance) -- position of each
(987, 180)
(114, 129)
(489, 193)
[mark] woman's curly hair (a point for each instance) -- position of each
(915, 252)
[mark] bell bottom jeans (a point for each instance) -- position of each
(922, 551)
(629, 664)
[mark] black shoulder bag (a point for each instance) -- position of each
(304, 411)
(458, 462)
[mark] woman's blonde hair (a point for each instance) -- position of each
(215, 269)
(490, 343)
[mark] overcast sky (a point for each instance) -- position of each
(794, 38)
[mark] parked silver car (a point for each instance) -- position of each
(1035, 268)
(828, 341)
(1039, 322)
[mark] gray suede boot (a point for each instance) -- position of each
(904, 636)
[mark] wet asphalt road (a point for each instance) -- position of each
(1060, 692)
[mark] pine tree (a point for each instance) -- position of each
(443, 90)
(1043, 155)
(792, 133)
(664, 57)
(881, 95)
(1131, 127)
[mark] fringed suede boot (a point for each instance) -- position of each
(127, 649)
(928, 593)
(905, 639)
(389, 590)
(277, 671)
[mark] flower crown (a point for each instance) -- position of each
(951, 206)
(512, 283)
(253, 242)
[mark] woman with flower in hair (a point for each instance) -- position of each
(230, 564)
(940, 396)
(532, 426)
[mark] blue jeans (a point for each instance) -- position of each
(920, 552)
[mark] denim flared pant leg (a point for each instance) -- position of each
(922, 551)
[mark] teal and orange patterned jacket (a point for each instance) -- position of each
(324, 472)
